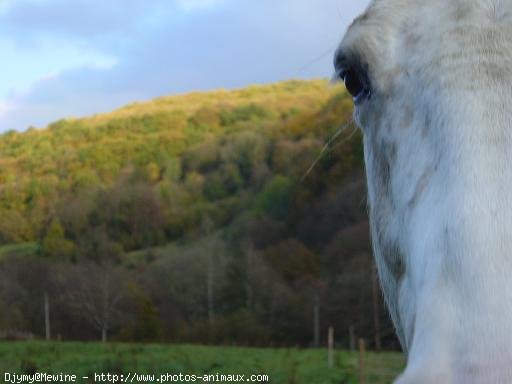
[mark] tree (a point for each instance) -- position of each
(55, 245)
(96, 292)
(24, 283)
(274, 200)
(142, 323)
(14, 226)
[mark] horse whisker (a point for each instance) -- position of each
(328, 145)
(348, 138)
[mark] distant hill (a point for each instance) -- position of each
(201, 197)
(40, 167)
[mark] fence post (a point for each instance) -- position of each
(47, 316)
(330, 347)
(361, 361)
(316, 321)
(352, 338)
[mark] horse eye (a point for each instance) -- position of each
(354, 74)
(354, 84)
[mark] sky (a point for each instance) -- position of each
(63, 58)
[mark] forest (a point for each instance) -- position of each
(192, 219)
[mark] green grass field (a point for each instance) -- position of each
(286, 366)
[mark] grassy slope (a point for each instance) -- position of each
(282, 365)
(15, 249)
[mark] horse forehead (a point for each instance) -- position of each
(386, 20)
(431, 38)
(458, 8)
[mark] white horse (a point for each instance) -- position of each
(432, 87)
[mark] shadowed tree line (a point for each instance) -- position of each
(185, 219)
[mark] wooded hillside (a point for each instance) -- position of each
(186, 219)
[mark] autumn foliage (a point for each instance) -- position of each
(193, 214)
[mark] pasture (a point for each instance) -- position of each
(283, 366)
